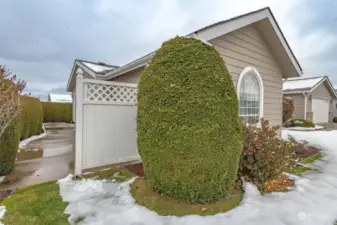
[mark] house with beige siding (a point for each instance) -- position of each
(256, 55)
(312, 96)
(255, 52)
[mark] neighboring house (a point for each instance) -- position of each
(59, 98)
(334, 106)
(256, 54)
(312, 98)
(257, 57)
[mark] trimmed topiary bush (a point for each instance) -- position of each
(9, 144)
(334, 119)
(300, 123)
(189, 132)
(31, 116)
(57, 112)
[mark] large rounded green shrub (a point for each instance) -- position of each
(189, 134)
(31, 116)
(9, 145)
(57, 112)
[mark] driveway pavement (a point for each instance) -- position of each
(329, 126)
(45, 159)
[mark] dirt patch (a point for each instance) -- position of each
(302, 149)
(136, 169)
(305, 151)
(5, 194)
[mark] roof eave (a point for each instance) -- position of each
(210, 32)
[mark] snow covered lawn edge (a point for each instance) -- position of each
(2, 213)
(304, 128)
(26, 141)
(311, 202)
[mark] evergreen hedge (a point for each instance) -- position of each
(31, 116)
(57, 112)
(9, 143)
(189, 132)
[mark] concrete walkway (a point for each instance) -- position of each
(329, 126)
(46, 159)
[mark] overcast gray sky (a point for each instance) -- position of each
(40, 39)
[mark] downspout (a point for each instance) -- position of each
(305, 105)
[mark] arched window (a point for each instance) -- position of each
(250, 94)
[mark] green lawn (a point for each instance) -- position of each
(42, 203)
(37, 204)
(300, 170)
(165, 205)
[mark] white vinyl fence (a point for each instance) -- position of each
(105, 123)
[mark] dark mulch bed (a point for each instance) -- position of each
(305, 152)
(136, 169)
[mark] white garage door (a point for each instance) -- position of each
(320, 109)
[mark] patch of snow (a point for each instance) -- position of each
(303, 83)
(87, 173)
(311, 202)
(2, 178)
(25, 142)
(305, 128)
(105, 169)
(60, 97)
(2, 212)
(97, 68)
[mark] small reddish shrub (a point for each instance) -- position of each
(265, 155)
(288, 109)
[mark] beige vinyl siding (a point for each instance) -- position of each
(322, 92)
(130, 77)
(298, 104)
(246, 47)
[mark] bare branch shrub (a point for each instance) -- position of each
(10, 89)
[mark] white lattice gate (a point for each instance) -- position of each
(105, 123)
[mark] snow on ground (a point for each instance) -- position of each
(311, 202)
(25, 142)
(2, 178)
(305, 128)
(2, 213)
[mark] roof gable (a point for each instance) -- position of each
(290, 65)
(92, 69)
(97, 67)
(300, 85)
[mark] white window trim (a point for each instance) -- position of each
(259, 78)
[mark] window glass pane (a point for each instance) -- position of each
(249, 104)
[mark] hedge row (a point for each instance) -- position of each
(31, 116)
(57, 112)
(9, 143)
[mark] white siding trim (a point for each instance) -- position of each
(259, 78)
(305, 105)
